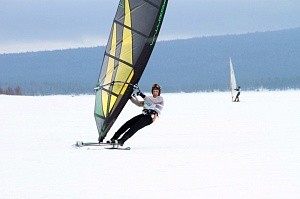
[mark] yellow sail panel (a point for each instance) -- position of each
(109, 70)
(125, 72)
(113, 100)
(104, 102)
(110, 64)
(128, 80)
(126, 52)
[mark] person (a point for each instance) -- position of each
(238, 89)
(152, 107)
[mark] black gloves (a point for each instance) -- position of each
(141, 94)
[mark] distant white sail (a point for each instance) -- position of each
(233, 85)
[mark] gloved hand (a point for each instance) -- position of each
(131, 96)
(141, 94)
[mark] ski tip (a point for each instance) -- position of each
(79, 143)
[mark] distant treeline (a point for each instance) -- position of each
(269, 60)
(11, 91)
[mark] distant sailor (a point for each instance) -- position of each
(238, 89)
(152, 105)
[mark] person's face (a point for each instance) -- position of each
(155, 93)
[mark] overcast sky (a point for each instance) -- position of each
(32, 25)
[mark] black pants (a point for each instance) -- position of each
(237, 99)
(132, 126)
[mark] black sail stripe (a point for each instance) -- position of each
(154, 5)
(110, 92)
(100, 116)
(118, 59)
(132, 29)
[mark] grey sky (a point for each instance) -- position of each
(31, 25)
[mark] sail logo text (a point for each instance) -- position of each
(161, 14)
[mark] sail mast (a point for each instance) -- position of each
(233, 84)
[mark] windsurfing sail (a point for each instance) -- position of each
(132, 38)
(233, 84)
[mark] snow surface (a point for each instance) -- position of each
(203, 146)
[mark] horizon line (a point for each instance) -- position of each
(170, 38)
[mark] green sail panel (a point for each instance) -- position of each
(131, 41)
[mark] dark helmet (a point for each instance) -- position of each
(156, 87)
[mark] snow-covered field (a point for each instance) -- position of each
(203, 146)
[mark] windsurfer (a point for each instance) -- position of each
(152, 107)
(238, 89)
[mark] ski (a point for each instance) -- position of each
(118, 148)
(82, 144)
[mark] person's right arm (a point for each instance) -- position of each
(137, 102)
